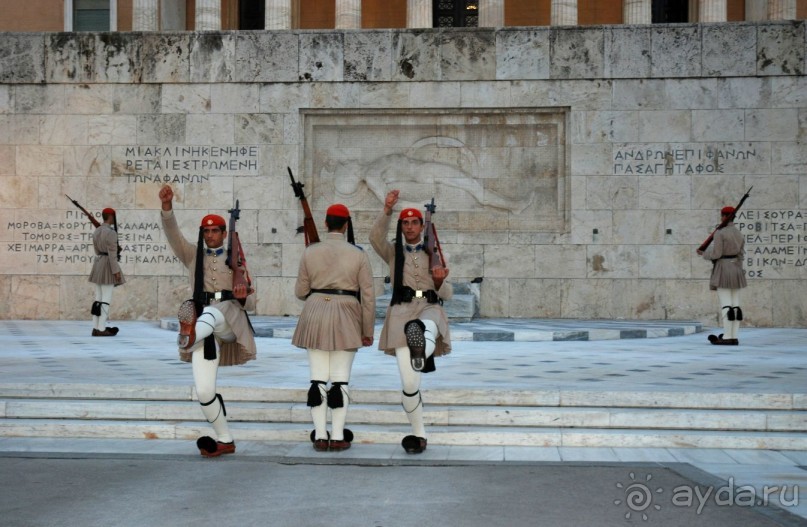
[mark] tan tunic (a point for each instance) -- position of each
(727, 273)
(105, 243)
(334, 322)
(415, 275)
(218, 277)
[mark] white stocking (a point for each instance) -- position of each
(212, 322)
(724, 297)
(430, 335)
(341, 364)
(103, 294)
(735, 302)
(204, 378)
(410, 398)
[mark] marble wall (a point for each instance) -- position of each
(575, 169)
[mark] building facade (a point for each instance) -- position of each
(204, 15)
(575, 168)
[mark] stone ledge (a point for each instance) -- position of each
(509, 330)
(423, 55)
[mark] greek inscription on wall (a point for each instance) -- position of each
(775, 242)
(655, 160)
(180, 164)
(68, 240)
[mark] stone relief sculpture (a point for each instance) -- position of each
(421, 177)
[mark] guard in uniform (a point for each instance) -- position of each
(106, 272)
(728, 277)
(336, 282)
(416, 327)
(222, 335)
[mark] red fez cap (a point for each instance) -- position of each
(410, 213)
(338, 210)
(213, 220)
(108, 211)
(727, 210)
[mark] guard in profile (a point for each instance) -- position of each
(726, 253)
(106, 273)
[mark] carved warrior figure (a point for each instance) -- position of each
(404, 170)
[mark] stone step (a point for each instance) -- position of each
(461, 307)
(438, 435)
(374, 414)
(445, 397)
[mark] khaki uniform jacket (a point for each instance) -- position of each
(334, 322)
(218, 277)
(415, 275)
(105, 243)
(727, 273)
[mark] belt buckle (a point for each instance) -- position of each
(217, 295)
(419, 294)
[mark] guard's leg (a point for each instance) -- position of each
(341, 363)
(412, 402)
(210, 322)
(738, 315)
(317, 397)
(421, 336)
(204, 378)
(103, 297)
(726, 314)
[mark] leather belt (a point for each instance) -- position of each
(219, 296)
(336, 292)
(408, 294)
(728, 257)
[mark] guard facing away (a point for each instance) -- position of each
(106, 273)
(214, 327)
(336, 282)
(416, 327)
(728, 277)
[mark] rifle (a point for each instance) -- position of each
(725, 222)
(309, 227)
(431, 244)
(95, 223)
(235, 252)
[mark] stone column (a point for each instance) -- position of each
(491, 13)
(637, 12)
(145, 15)
(418, 13)
(208, 15)
(278, 14)
(781, 9)
(348, 14)
(712, 11)
(563, 13)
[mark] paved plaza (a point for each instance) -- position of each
(158, 482)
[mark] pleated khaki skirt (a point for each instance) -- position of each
(329, 323)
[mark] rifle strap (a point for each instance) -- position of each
(397, 277)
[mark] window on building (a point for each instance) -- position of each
(670, 11)
(455, 13)
(251, 14)
(90, 15)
